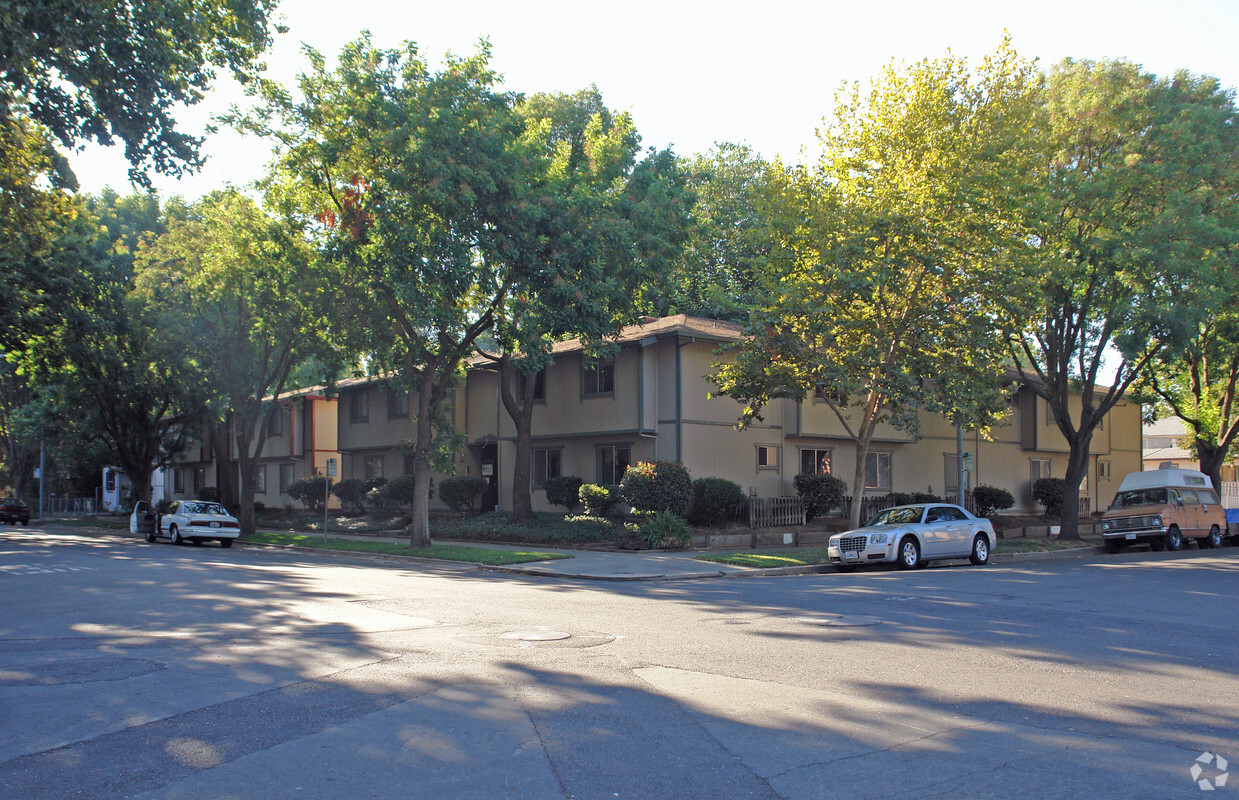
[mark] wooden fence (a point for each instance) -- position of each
(771, 512)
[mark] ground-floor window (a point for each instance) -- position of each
(286, 477)
(199, 479)
(372, 467)
(613, 462)
(878, 471)
(815, 461)
(1103, 469)
(767, 456)
(178, 481)
(951, 475)
(260, 479)
(546, 464)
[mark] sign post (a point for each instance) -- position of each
(331, 473)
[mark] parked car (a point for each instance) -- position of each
(14, 510)
(912, 535)
(1163, 508)
(195, 521)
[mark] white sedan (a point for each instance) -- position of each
(912, 535)
(194, 521)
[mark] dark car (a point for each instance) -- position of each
(14, 510)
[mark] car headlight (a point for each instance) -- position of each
(1106, 524)
(1157, 521)
(878, 538)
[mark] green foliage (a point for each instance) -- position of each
(462, 491)
(989, 499)
(664, 530)
(158, 57)
(399, 492)
(657, 486)
(353, 491)
(820, 493)
(1051, 493)
(564, 490)
(208, 493)
(548, 529)
(598, 499)
(716, 501)
(310, 492)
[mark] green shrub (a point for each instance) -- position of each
(1050, 492)
(664, 530)
(715, 501)
(820, 493)
(208, 493)
(564, 490)
(354, 490)
(397, 494)
(310, 492)
(462, 491)
(259, 506)
(988, 499)
(657, 486)
(598, 499)
(908, 498)
(546, 528)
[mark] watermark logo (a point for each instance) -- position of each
(1219, 768)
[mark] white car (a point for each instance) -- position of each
(912, 535)
(194, 521)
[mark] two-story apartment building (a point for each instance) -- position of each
(652, 400)
(300, 438)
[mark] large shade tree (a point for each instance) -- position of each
(610, 224)
(416, 181)
(887, 276)
(1130, 220)
(243, 292)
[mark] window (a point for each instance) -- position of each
(359, 405)
(111, 480)
(878, 471)
(178, 481)
(260, 479)
(612, 463)
(397, 404)
(1103, 469)
(546, 464)
(598, 378)
(410, 464)
(1038, 468)
(539, 385)
(372, 467)
(199, 479)
(286, 477)
(275, 421)
(767, 456)
(950, 466)
(815, 462)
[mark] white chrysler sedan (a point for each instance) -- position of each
(194, 521)
(912, 535)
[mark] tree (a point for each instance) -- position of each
(716, 276)
(609, 224)
(887, 278)
(1134, 215)
(95, 71)
(243, 292)
(414, 181)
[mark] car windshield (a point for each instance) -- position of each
(1140, 497)
(901, 515)
(203, 508)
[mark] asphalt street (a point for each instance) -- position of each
(130, 670)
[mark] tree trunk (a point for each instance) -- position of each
(521, 412)
(245, 507)
(1212, 457)
(419, 528)
(858, 482)
(1077, 468)
(225, 467)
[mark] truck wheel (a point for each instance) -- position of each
(1174, 539)
(1214, 539)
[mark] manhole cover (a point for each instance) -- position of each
(536, 636)
(837, 621)
(75, 670)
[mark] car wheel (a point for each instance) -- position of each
(980, 551)
(150, 536)
(1114, 545)
(1174, 539)
(225, 543)
(1214, 539)
(176, 535)
(909, 553)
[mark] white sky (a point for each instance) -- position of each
(693, 74)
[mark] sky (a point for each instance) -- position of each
(695, 73)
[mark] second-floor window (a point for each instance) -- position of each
(598, 378)
(539, 385)
(397, 404)
(275, 421)
(359, 405)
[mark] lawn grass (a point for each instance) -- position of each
(766, 560)
(443, 552)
